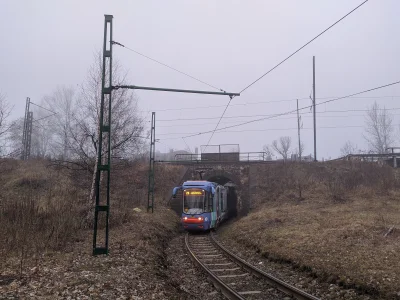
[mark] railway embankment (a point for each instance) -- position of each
(46, 238)
(337, 223)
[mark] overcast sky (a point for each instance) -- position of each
(228, 44)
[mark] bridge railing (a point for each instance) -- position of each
(242, 156)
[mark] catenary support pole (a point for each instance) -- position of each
(150, 193)
(104, 159)
(298, 130)
(24, 154)
(102, 206)
(314, 113)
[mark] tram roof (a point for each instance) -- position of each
(199, 184)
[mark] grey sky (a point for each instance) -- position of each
(226, 43)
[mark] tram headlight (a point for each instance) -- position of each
(200, 218)
(184, 218)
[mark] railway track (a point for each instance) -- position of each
(233, 276)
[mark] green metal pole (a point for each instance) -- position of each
(150, 192)
(104, 128)
(154, 156)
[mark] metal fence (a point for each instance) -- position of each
(223, 148)
(218, 157)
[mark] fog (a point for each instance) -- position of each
(228, 44)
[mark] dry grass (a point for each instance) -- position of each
(44, 207)
(337, 230)
(135, 267)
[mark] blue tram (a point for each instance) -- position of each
(204, 204)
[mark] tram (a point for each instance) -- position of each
(204, 204)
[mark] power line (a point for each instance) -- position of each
(44, 117)
(292, 111)
(303, 47)
(274, 129)
(259, 102)
(268, 115)
(165, 65)
(276, 66)
(187, 145)
(219, 121)
(43, 107)
(288, 118)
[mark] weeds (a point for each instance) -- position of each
(337, 179)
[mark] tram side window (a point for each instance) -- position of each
(208, 204)
(222, 201)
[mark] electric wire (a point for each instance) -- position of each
(268, 115)
(37, 120)
(276, 66)
(295, 110)
(274, 129)
(305, 115)
(257, 103)
(309, 42)
(165, 65)
(43, 107)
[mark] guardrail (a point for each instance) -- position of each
(242, 156)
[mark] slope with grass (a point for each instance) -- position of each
(344, 228)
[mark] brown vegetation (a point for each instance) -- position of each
(43, 206)
(344, 228)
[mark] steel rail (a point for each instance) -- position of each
(225, 289)
(277, 283)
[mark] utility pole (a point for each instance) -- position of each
(27, 131)
(315, 126)
(298, 129)
(150, 193)
(104, 157)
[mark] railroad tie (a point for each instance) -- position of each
(215, 265)
(202, 252)
(249, 292)
(209, 255)
(223, 270)
(233, 276)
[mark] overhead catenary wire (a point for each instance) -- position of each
(295, 110)
(268, 115)
(305, 45)
(37, 120)
(259, 102)
(287, 58)
(165, 65)
(304, 115)
(54, 113)
(271, 129)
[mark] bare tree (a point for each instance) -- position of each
(283, 146)
(348, 148)
(300, 151)
(379, 129)
(126, 125)
(5, 111)
(268, 152)
(63, 104)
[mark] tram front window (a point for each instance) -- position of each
(193, 202)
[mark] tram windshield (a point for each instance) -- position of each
(193, 201)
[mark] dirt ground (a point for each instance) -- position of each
(135, 268)
(339, 242)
